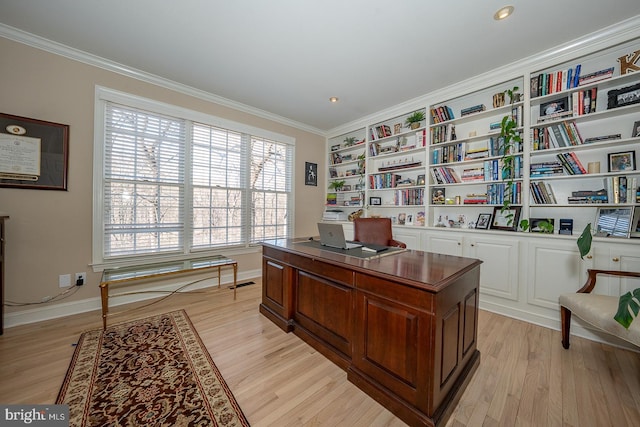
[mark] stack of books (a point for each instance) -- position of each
(539, 170)
(475, 199)
(588, 197)
(571, 163)
(471, 110)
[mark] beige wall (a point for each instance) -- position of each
(49, 232)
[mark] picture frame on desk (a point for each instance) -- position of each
(484, 220)
(506, 220)
(622, 161)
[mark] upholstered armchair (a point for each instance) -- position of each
(376, 231)
(597, 310)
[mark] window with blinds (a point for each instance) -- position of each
(174, 185)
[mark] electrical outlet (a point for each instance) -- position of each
(64, 280)
(81, 279)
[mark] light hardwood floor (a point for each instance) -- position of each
(525, 378)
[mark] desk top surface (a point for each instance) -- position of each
(423, 269)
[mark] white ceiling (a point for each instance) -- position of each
(287, 57)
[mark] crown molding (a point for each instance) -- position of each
(46, 45)
(592, 42)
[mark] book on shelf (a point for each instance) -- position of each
(475, 199)
(473, 174)
(542, 193)
(603, 138)
(472, 110)
(441, 114)
(555, 81)
(596, 76)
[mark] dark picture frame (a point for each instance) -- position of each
(534, 224)
(310, 173)
(622, 161)
(484, 220)
(623, 96)
(635, 132)
(506, 220)
(375, 201)
(54, 153)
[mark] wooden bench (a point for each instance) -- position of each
(597, 310)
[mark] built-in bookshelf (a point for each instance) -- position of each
(346, 164)
(575, 152)
(465, 155)
(578, 119)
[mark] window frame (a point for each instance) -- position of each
(103, 96)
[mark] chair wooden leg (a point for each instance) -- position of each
(565, 315)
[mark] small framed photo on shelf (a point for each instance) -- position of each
(438, 196)
(402, 218)
(421, 181)
(335, 147)
(534, 225)
(556, 106)
(635, 132)
(397, 128)
(614, 222)
(484, 219)
(409, 220)
(623, 161)
(375, 201)
(623, 96)
(506, 220)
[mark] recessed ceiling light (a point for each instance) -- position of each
(503, 13)
(333, 99)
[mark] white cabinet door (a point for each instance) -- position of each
(500, 267)
(555, 268)
(623, 256)
(408, 236)
(444, 243)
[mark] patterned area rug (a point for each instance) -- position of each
(151, 372)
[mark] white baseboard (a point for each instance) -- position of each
(54, 311)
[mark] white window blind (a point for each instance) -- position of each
(174, 185)
(143, 182)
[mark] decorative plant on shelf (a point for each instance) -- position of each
(337, 185)
(414, 119)
(349, 141)
(510, 139)
(361, 171)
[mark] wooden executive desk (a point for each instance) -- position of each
(403, 326)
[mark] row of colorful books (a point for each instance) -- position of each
(441, 114)
(409, 197)
(443, 133)
(564, 134)
(542, 193)
(384, 180)
(499, 191)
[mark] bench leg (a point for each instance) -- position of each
(565, 315)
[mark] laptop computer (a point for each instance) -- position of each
(332, 235)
